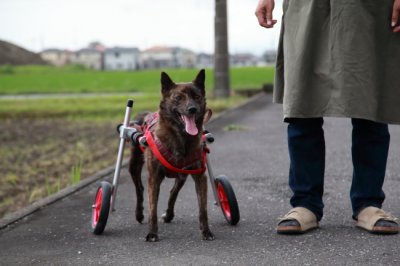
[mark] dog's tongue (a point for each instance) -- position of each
(190, 125)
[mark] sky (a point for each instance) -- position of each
(72, 24)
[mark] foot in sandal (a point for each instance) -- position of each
(377, 221)
(297, 221)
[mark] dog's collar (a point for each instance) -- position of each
(166, 158)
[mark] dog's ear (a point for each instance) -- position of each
(166, 83)
(207, 115)
(199, 80)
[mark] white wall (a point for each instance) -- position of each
(121, 60)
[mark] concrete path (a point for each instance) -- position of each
(256, 161)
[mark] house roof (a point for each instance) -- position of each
(88, 50)
(205, 55)
(122, 49)
(165, 49)
(244, 56)
(53, 50)
(158, 49)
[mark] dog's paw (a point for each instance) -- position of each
(139, 217)
(152, 237)
(167, 217)
(207, 235)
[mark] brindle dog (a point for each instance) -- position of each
(179, 128)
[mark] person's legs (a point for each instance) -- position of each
(370, 151)
(307, 163)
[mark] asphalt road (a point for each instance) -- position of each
(256, 161)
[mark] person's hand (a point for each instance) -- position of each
(264, 13)
(395, 16)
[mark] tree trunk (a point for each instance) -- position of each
(221, 53)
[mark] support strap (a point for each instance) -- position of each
(154, 149)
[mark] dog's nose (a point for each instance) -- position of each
(192, 110)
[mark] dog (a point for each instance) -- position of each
(178, 128)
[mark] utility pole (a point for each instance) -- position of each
(221, 52)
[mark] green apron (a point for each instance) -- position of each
(338, 58)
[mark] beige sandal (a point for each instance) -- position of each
(377, 221)
(297, 221)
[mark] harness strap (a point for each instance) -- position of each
(154, 149)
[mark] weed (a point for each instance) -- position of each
(234, 127)
(7, 69)
(59, 183)
(12, 179)
(48, 186)
(76, 173)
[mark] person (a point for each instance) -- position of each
(337, 58)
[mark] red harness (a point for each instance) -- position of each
(165, 156)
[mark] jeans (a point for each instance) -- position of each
(370, 146)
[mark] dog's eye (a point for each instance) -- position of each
(178, 98)
(196, 96)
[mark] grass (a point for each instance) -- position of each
(76, 173)
(234, 127)
(45, 79)
(100, 108)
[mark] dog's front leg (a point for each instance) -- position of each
(155, 178)
(201, 189)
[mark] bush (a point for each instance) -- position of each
(77, 67)
(7, 70)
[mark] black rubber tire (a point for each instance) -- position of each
(222, 182)
(98, 228)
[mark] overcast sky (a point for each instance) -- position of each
(72, 24)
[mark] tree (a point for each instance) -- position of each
(221, 52)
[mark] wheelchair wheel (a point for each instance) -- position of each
(227, 200)
(101, 208)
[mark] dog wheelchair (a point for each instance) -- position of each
(104, 202)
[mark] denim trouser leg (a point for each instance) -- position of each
(307, 163)
(370, 151)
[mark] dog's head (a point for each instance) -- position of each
(184, 104)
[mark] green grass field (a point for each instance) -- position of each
(97, 108)
(45, 79)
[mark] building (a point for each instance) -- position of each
(119, 58)
(56, 57)
(185, 58)
(168, 57)
(90, 57)
(205, 60)
(244, 60)
(270, 56)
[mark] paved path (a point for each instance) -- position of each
(256, 161)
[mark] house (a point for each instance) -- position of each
(243, 60)
(269, 56)
(185, 58)
(167, 57)
(119, 58)
(90, 57)
(205, 60)
(56, 57)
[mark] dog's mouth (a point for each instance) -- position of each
(190, 124)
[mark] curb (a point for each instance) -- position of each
(11, 218)
(240, 106)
